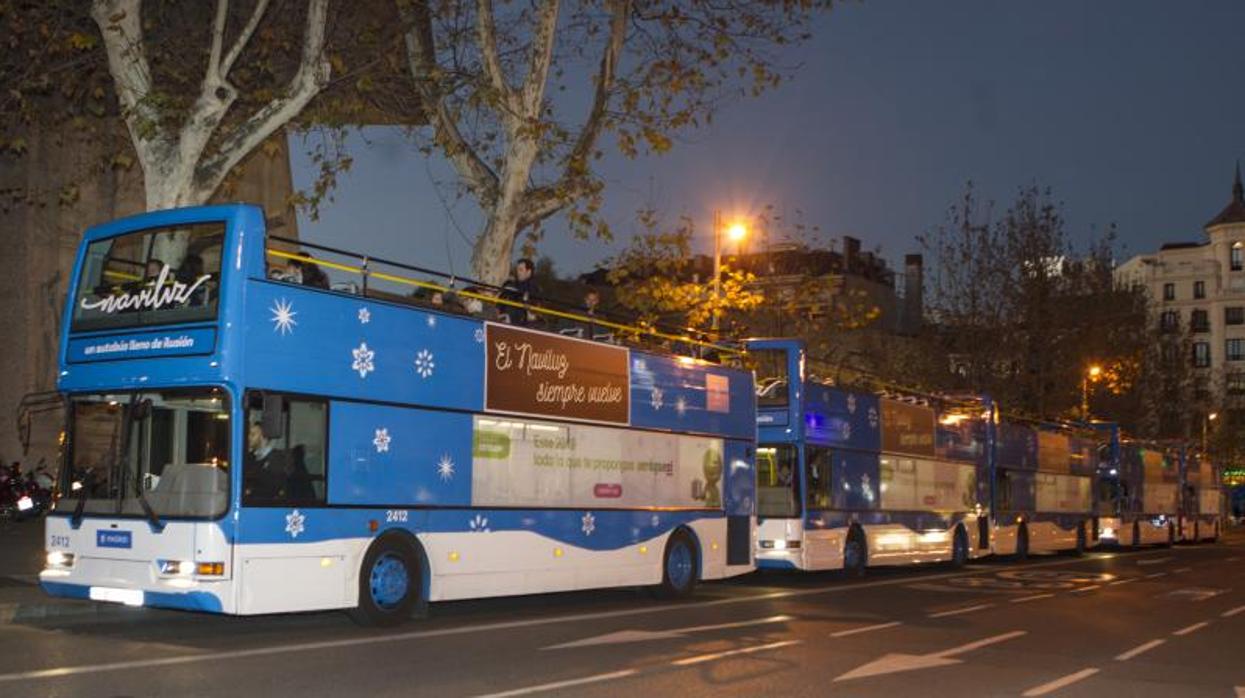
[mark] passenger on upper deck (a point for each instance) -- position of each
(520, 289)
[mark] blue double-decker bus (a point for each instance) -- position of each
(846, 479)
(247, 435)
(1042, 487)
(1200, 497)
(1138, 490)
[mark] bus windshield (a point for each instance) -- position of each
(150, 277)
(777, 482)
(168, 447)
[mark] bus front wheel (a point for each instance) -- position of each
(959, 548)
(388, 584)
(855, 553)
(1022, 543)
(678, 567)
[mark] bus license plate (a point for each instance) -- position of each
(129, 597)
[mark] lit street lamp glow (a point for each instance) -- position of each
(736, 233)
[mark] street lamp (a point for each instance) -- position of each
(1091, 373)
(736, 232)
(1205, 422)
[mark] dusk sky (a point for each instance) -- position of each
(1132, 111)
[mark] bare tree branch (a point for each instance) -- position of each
(243, 39)
(541, 58)
(121, 26)
(486, 35)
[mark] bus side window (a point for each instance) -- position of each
(817, 474)
(291, 468)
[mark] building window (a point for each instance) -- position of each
(1234, 316)
(1238, 256)
(1169, 292)
(1201, 354)
(1169, 321)
(1200, 321)
(1199, 289)
(1236, 350)
(1235, 383)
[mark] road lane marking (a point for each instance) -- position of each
(1182, 569)
(1035, 597)
(1156, 575)
(1091, 587)
(701, 658)
(1118, 582)
(77, 670)
(1192, 628)
(1232, 612)
(613, 675)
(896, 662)
(958, 611)
(1139, 649)
(1233, 559)
(1060, 683)
(640, 635)
(1153, 560)
(865, 629)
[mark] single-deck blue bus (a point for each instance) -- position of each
(1042, 487)
(852, 479)
(244, 444)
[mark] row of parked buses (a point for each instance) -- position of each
(241, 443)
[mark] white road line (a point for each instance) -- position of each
(1035, 597)
(562, 684)
(738, 624)
(700, 659)
(1126, 580)
(1233, 559)
(1182, 569)
(1153, 560)
(865, 629)
(1156, 575)
(958, 611)
(978, 644)
(1139, 649)
(1060, 683)
(1091, 587)
(1192, 628)
(506, 625)
(1232, 612)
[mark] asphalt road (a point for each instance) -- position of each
(1159, 622)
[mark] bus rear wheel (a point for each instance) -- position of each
(388, 584)
(959, 548)
(678, 568)
(855, 554)
(1080, 540)
(1022, 543)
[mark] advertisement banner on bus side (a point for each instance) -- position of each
(907, 429)
(143, 345)
(526, 463)
(542, 374)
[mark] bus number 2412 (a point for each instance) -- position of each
(395, 516)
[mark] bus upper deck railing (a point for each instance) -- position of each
(447, 284)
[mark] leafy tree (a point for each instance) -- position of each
(497, 85)
(659, 280)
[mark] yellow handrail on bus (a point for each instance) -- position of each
(495, 300)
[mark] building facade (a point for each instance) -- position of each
(1198, 288)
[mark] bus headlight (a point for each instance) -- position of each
(1107, 532)
(60, 559)
(176, 568)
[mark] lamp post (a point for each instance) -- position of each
(736, 232)
(1091, 373)
(1205, 423)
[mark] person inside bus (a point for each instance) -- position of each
(520, 289)
(310, 273)
(266, 468)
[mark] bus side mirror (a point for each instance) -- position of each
(272, 420)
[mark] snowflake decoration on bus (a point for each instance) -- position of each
(445, 467)
(381, 440)
(432, 322)
(873, 418)
(294, 523)
(656, 398)
(283, 316)
(479, 334)
(845, 430)
(655, 521)
(680, 405)
(479, 524)
(363, 360)
(851, 404)
(589, 523)
(424, 363)
(365, 316)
